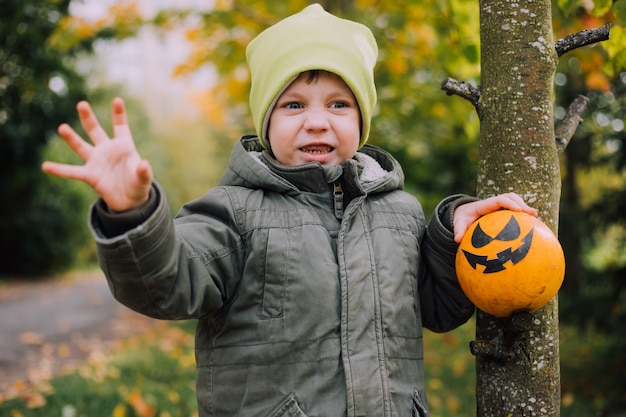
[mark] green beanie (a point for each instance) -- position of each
(311, 40)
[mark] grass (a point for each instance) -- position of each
(450, 373)
(154, 376)
(150, 376)
(593, 368)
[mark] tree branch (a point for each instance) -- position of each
(462, 89)
(566, 129)
(582, 38)
(515, 334)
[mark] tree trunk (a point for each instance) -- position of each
(517, 358)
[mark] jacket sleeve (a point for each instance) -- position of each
(174, 269)
(443, 304)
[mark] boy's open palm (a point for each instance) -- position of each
(113, 167)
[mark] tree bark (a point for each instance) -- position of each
(517, 359)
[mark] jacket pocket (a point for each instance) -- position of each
(419, 407)
(278, 258)
(288, 408)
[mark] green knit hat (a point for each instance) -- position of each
(311, 40)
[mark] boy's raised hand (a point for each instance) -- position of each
(112, 166)
(466, 214)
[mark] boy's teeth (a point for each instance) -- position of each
(317, 149)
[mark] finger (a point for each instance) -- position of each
(75, 141)
(515, 199)
(144, 172)
(72, 172)
(515, 202)
(90, 123)
(120, 120)
(460, 228)
(506, 201)
(458, 235)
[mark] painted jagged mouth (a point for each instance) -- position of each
(317, 149)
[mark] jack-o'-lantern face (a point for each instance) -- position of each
(509, 234)
(509, 261)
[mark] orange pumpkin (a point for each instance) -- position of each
(509, 261)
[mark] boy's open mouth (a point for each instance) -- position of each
(317, 149)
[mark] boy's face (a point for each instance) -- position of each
(315, 121)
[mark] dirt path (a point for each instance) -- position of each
(47, 326)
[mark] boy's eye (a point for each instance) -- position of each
(339, 105)
(293, 105)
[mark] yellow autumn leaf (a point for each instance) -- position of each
(453, 404)
(19, 385)
(124, 12)
(173, 396)
(84, 29)
(435, 384)
(440, 110)
(459, 365)
(223, 4)
(193, 34)
(119, 411)
(210, 107)
(397, 65)
(63, 350)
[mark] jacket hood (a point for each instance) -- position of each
(372, 170)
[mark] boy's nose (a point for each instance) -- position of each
(316, 120)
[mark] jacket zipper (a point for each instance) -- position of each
(338, 196)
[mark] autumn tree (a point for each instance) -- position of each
(518, 370)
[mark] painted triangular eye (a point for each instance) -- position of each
(510, 232)
(480, 238)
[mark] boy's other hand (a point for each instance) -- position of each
(112, 166)
(466, 214)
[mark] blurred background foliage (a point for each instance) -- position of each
(47, 64)
(38, 89)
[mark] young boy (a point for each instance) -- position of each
(310, 271)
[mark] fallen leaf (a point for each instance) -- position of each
(33, 399)
(119, 411)
(173, 396)
(19, 385)
(139, 405)
(31, 339)
(64, 350)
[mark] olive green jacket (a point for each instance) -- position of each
(310, 284)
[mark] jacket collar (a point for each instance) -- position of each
(308, 178)
(372, 170)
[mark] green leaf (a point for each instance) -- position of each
(567, 6)
(472, 54)
(601, 7)
(616, 42)
(619, 10)
(615, 48)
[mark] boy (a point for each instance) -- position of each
(310, 271)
